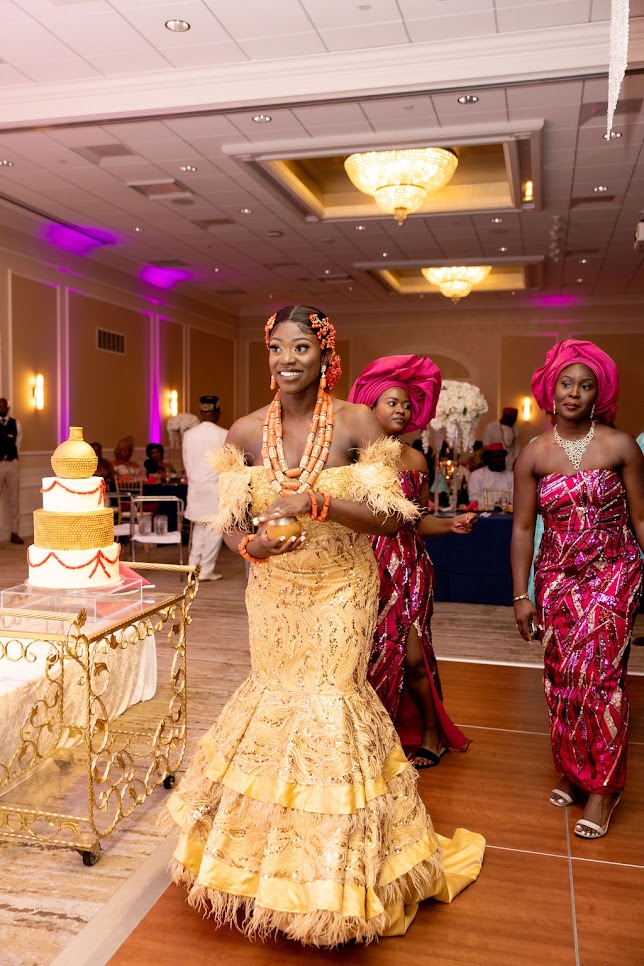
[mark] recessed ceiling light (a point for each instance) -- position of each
(583, 261)
(360, 227)
(468, 99)
(6, 164)
(275, 233)
(496, 221)
(137, 228)
(611, 136)
(245, 211)
(600, 188)
(385, 254)
(579, 281)
(177, 26)
(215, 269)
(503, 248)
(187, 168)
(262, 118)
(327, 271)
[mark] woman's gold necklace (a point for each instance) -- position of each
(575, 448)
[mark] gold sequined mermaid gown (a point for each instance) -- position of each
(299, 811)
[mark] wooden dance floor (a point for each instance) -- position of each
(543, 895)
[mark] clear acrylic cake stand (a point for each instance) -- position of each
(65, 749)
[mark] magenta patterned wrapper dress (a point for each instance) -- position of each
(406, 600)
(588, 585)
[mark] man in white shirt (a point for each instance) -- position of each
(10, 439)
(505, 431)
(492, 479)
(203, 486)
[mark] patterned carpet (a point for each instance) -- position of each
(47, 895)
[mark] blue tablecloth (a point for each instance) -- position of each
(475, 569)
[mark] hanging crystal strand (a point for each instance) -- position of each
(618, 56)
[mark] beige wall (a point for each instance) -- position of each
(212, 372)
(108, 393)
(34, 341)
(170, 369)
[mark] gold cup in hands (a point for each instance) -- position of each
(283, 527)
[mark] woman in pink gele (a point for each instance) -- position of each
(403, 392)
(587, 480)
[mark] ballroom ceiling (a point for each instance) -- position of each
(182, 194)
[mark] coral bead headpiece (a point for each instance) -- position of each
(325, 331)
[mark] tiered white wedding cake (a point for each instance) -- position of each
(73, 544)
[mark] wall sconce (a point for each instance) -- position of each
(528, 191)
(39, 392)
(173, 402)
(526, 409)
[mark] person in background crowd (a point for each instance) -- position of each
(104, 467)
(10, 439)
(505, 431)
(474, 462)
(492, 477)
(587, 480)
(403, 392)
(203, 486)
(155, 465)
(124, 465)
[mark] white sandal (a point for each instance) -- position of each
(598, 830)
(562, 800)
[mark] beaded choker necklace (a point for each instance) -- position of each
(316, 451)
(575, 448)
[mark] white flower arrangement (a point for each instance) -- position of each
(177, 425)
(460, 405)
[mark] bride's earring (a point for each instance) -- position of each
(273, 383)
(592, 412)
(323, 377)
(554, 406)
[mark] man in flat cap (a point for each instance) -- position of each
(203, 486)
(505, 431)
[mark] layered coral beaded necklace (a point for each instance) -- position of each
(316, 451)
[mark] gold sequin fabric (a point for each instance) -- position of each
(300, 812)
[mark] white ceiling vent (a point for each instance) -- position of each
(99, 152)
(108, 341)
(165, 190)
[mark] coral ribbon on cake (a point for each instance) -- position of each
(97, 560)
(100, 489)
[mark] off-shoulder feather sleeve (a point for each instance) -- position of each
(234, 489)
(374, 480)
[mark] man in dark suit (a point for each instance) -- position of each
(10, 437)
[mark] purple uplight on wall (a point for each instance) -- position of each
(555, 301)
(79, 241)
(164, 276)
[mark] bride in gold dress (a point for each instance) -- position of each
(299, 812)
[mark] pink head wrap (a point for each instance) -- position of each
(567, 353)
(417, 375)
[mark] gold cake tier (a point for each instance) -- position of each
(74, 531)
(74, 459)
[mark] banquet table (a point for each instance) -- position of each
(474, 569)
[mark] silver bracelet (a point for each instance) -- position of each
(525, 596)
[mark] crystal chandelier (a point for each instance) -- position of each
(456, 281)
(401, 180)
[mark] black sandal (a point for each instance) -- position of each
(424, 758)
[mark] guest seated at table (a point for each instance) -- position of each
(493, 477)
(104, 467)
(506, 432)
(124, 465)
(155, 466)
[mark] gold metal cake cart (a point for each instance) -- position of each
(67, 750)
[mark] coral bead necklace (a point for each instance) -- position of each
(316, 450)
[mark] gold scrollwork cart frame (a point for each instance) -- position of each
(122, 767)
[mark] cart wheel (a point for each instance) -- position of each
(168, 781)
(91, 856)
